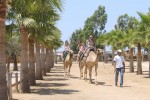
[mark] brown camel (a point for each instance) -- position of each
(81, 66)
(91, 61)
(127, 55)
(68, 63)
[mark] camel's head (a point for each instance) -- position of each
(71, 53)
(99, 51)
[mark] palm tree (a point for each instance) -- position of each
(38, 63)
(31, 62)
(56, 43)
(47, 63)
(3, 83)
(137, 38)
(43, 59)
(145, 21)
(52, 42)
(24, 11)
(127, 43)
(114, 39)
(13, 49)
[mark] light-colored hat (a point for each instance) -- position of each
(91, 36)
(119, 50)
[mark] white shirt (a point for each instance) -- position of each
(119, 61)
(66, 48)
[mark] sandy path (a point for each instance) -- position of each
(56, 87)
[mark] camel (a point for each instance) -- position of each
(81, 66)
(68, 63)
(91, 61)
(127, 55)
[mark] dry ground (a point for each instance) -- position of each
(56, 87)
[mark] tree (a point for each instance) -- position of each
(3, 83)
(75, 38)
(13, 48)
(114, 39)
(122, 22)
(25, 11)
(52, 43)
(31, 62)
(145, 28)
(128, 24)
(137, 38)
(94, 25)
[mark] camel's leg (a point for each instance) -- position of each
(69, 70)
(96, 66)
(65, 68)
(80, 69)
(90, 74)
(85, 73)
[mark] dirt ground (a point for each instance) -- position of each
(56, 87)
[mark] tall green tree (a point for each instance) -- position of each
(95, 25)
(128, 24)
(122, 22)
(76, 37)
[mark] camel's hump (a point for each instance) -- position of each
(92, 57)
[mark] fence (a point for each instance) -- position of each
(12, 80)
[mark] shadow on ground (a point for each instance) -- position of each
(51, 84)
(55, 79)
(45, 91)
(57, 72)
(126, 86)
(55, 75)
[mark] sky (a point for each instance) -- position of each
(75, 13)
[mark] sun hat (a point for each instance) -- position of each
(119, 50)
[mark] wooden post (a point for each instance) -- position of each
(9, 85)
(16, 81)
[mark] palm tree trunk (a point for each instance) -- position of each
(149, 58)
(38, 64)
(55, 57)
(47, 60)
(15, 63)
(43, 62)
(31, 62)
(24, 74)
(105, 55)
(113, 55)
(51, 58)
(8, 64)
(131, 61)
(3, 82)
(139, 64)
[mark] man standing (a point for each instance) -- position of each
(119, 67)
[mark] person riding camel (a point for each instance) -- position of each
(66, 49)
(81, 51)
(90, 45)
